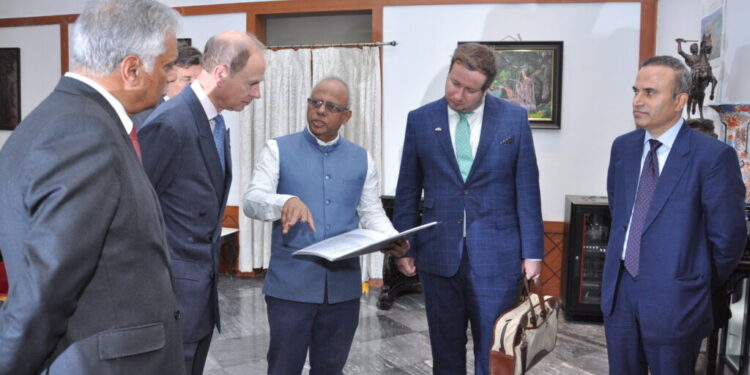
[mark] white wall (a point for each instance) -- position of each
(40, 67)
(736, 83)
(600, 61)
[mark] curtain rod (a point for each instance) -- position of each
(373, 44)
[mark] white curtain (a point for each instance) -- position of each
(360, 68)
(281, 110)
(288, 81)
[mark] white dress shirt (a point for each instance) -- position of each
(206, 103)
(127, 123)
(262, 202)
(475, 126)
(667, 141)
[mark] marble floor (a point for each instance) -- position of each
(387, 342)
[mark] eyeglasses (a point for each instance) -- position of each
(316, 103)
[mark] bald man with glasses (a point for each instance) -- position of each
(315, 185)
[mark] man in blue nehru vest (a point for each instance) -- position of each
(678, 229)
(314, 185)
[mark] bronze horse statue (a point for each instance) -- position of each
(702, 75)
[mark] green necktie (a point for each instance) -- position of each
(463, 144)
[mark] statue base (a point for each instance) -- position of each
(703, 125)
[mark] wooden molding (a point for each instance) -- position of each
(231, 217)
(64, 48)
(648, 30)
(554, 227)
(38, 21)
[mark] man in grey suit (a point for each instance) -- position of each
(186, 155)
(80, 226)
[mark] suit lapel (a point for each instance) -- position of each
(632, 168)
(74, 86)
(490, 121)
(439, 119)
(671, 173)
(206, 143)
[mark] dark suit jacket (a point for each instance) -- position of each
(83, 240)
(180, 158)
(500, 196)
(693, 237)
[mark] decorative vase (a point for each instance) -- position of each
(736, 119)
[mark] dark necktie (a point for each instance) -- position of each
(646, 188)
(219, 131)
(134, 138)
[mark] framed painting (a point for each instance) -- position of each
(10, 88)
(530, 75)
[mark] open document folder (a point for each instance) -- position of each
(355, 243)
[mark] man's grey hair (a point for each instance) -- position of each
(232, 52)
(682, 74)
(107, 31)
(342, 82)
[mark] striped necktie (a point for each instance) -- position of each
(219, 132)
(463, 144)
(644, 195)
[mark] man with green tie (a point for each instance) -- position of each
(473, 157)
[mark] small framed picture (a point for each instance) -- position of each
(10, 88)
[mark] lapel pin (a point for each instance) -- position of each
(438, 129)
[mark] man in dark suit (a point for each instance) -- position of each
(678, 229)
(473, 157)
(82, 234)
(186, 156)
(187, 67)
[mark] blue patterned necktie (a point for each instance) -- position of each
(646, 188)
(219, 132)
(463, 144)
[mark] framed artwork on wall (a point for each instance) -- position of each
(10, 88)
(530, 75)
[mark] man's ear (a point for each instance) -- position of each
(130, 71)
(346, 117)
(681, 101)
(220, 74)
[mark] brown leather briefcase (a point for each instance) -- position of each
(524, 334)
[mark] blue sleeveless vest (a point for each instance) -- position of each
(329, 180)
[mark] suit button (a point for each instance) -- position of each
(202, 214)
(212, 275)
(177, 315)
(328, 201)
(625, 227)
(460, 221)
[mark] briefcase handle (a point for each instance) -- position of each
(527, 290)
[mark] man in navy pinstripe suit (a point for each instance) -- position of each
(473, 157)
